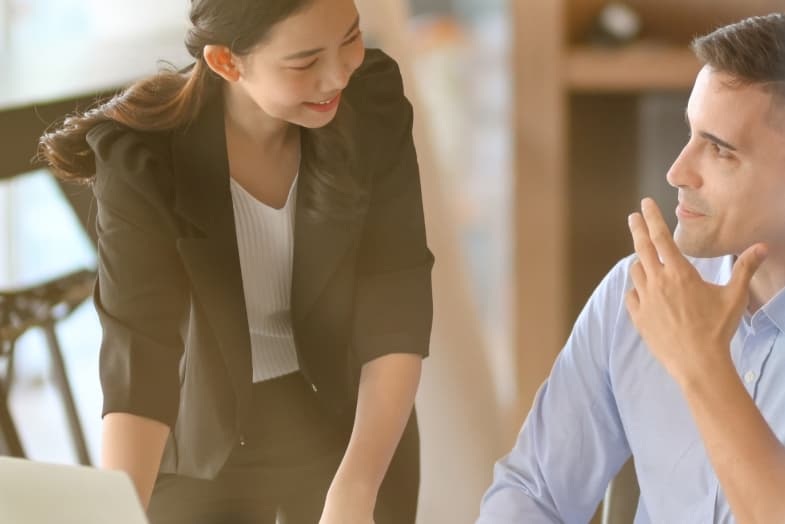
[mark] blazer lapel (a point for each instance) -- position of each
(203, 197)
(319, 247)
(320, 244)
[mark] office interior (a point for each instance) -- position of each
(539, 126)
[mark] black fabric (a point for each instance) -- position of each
(290, 426)
(284, 467)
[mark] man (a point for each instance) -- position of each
(678, 358)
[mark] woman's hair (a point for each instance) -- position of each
(752, 51)
(173, 99)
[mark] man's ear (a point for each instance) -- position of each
(222, 62)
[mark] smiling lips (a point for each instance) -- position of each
(324, 107)
(684, 212)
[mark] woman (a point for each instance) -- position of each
(263, 280)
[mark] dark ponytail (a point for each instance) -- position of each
(168, 100)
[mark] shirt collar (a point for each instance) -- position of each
(773, 310)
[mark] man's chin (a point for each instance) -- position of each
(689, 245)
(697, 248)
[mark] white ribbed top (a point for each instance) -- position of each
(265, 239)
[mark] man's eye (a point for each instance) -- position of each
(720, 151)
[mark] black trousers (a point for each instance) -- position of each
(292, 451)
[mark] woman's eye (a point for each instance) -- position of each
(304, 67)
(309, 65)
(354, 38)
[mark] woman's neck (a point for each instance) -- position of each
(245, 120)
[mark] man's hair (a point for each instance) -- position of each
(752, 51)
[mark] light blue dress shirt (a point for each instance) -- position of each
(607, 397)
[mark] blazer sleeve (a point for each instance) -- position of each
(393, 301)
(141, 293)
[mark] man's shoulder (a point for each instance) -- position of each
(608, 298)
(716, 269)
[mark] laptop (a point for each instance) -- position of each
(40, 493)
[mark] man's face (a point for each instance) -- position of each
(731, 173)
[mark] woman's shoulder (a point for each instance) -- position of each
(134, 157)
(377, 97)
(114, 143)
(377, 86)
(378, 64)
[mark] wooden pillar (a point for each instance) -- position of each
(541, 205)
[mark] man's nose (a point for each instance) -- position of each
(683, 172)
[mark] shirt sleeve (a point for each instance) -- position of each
(141, 291)
(393, 300)
(572, 442)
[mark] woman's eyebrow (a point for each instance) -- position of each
(311, 52)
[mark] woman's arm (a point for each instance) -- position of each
(388, 386)
(135, 445)
(393, 305)
(141, 298)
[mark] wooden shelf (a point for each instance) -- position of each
(639, 67)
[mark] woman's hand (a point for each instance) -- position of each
(348, 503)
(388, 385)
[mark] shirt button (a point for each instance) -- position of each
(749, 376)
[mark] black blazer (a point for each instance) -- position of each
(169, 295)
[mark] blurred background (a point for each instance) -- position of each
(539, 126)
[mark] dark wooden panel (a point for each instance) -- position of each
(20, 129)
(603, 188)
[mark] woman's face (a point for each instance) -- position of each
(298, 72)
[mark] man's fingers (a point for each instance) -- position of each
(660, 234)
(633, 302)
(746, 266)
(638, 275)
(644, 248)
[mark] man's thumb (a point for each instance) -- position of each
(747, 264)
